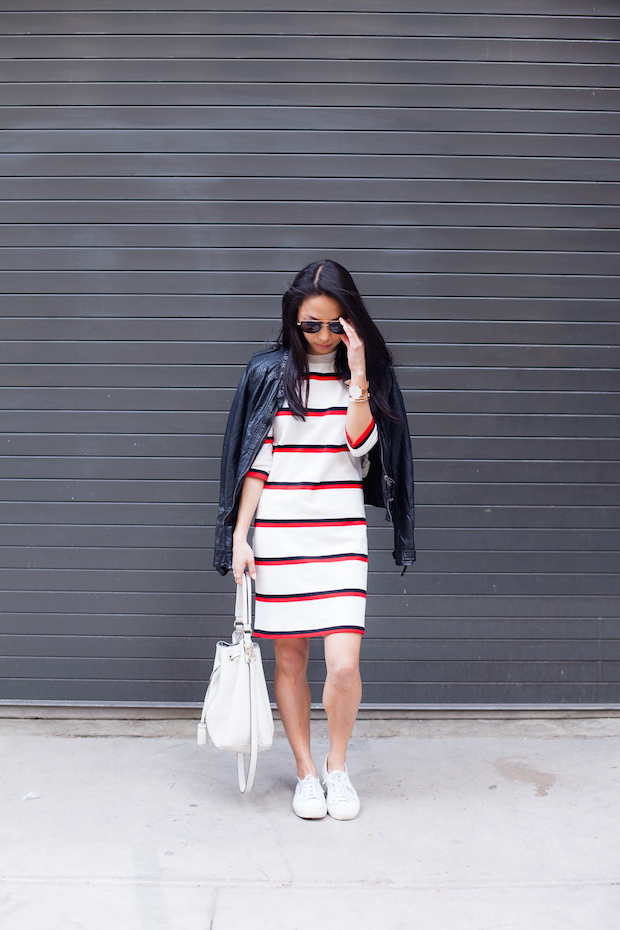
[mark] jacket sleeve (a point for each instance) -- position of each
(250, 418)
(231, 451)
(402, 465)
(261, 466)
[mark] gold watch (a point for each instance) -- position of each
(357, 392)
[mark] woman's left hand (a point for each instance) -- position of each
(356, 353)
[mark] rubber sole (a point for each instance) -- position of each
(313, 816)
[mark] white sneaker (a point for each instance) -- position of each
(342, 800)
(309, 799)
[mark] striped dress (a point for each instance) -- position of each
(310, 541)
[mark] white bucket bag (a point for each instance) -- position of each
(236, 711)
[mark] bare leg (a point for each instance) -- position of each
(292, 691)
(342, 693)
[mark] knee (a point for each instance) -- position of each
(343, 673)
(291, 663)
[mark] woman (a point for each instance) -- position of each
(317, 427)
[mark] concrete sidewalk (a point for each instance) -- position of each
(465, 825)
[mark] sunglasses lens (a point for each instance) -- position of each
(309, 326)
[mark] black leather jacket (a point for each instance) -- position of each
(388, 483)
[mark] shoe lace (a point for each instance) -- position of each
(340, 784)
(310, 788)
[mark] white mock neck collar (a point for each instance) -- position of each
(322, 359)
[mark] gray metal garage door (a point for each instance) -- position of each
(164, 174)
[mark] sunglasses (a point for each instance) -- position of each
(313, 326)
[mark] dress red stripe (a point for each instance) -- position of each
(319, 412)
(311, 486)
(363, 437)
(346, 521)
(310, 449)
(313, 596)
(255, 473)
(309, 560)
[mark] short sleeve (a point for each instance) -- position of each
(365, 442)
(261, 466)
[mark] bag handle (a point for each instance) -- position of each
(243, 607)
(243, 631)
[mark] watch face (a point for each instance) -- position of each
(355, 390)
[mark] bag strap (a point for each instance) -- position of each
(245, 783)
(243, 607)
(243, 631)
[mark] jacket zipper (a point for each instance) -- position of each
(389, 481)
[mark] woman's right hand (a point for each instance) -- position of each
(242, 556)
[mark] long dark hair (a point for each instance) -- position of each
(330, 278)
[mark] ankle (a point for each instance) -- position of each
(335, 764)
(308, 769)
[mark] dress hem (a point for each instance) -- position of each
(309, 633)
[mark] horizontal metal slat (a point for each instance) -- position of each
(185, 559)
(175, 514)
(309, 71)
(485, 7)
(169, 691)
(273, 23)
(24, 582)
(574, 403)
(395, 672)
(187, 468)
(154, 307)
(140, 352)
(399, 261)
(171, 648)
(227, 377)
(209, 332)
(410, 650)
(425, 447)
(213, 423)
(434, 629)
(247, 238)
(308, 212)
(175, 490)
(61, 93)
(495, 692)
(500, 539)
(310, 141)
(172, 604)
(571, 287)
(359, 47)
(443, 119)
(339, 190)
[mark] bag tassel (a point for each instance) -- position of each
(201, 735)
